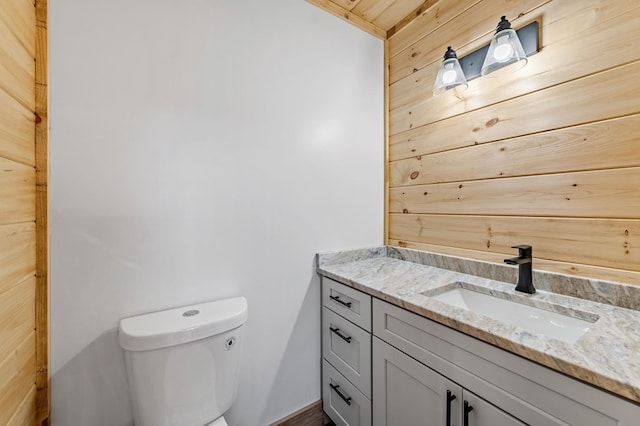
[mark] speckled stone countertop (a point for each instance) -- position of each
(607, 355)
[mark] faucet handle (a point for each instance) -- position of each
(524, 250)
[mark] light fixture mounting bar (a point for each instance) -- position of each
(472, 63)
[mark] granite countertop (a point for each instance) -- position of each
(607, 355)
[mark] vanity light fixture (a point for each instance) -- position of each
(450, 74)
(505, 50)
(478, 62)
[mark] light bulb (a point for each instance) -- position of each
(449, 76)
(502, 53)
(503, 50)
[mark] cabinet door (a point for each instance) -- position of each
(481, 413)
(407, 393)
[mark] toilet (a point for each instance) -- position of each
(183, 363)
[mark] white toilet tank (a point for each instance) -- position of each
(183, 363)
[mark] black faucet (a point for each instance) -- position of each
(525, 279)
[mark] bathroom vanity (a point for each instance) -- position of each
(396, 352)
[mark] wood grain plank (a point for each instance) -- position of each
(17, 68)
(43, 395)
(12, 367)
(17, 192)
(42, 12)
(596, 194)
(17, 316)
(25, 414)
(42, 61)
(612, 29)
(599, 145)
(17, 254)
(346, 4)
(478, 21)
(20, 17)
(556, 107)
(17, 130)
(369, 10)
(395, 12)
(575, 269)
(350, 17)
(434, 15)
(408, 19)
(605, 243)
(17, 378)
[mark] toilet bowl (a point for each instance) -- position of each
(183, 363)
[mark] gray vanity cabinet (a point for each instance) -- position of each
(408, 393)
(386, 366)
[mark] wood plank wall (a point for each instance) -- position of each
(19, 222)
(547, 156)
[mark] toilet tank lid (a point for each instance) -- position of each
(181, 325)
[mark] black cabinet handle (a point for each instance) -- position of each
(450, 397)
(340, 335)
(467, 410)
(336, 389)
(337, 299)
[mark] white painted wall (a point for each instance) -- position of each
(204, 149)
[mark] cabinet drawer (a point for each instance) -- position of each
(342, 402)
(348, 348)
(352, 304)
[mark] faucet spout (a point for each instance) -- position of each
(525, 273)
(517, 261)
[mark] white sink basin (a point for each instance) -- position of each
(530, 318)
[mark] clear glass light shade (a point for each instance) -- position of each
(449, 76)
(505, 50)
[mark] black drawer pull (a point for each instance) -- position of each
(336, 389)
(467, 409)
(337, 299)
(450, 397)
(340, 335)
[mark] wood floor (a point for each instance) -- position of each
(311, 415)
